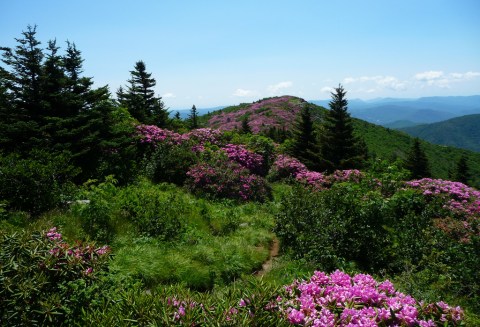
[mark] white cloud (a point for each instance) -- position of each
(465, 76)
(348, 80)
(379, 81)
(429, 75)
(244, 93)
(442, 80)
(327, 89)
(279, 86)
(169, 95)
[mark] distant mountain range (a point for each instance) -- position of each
(398, 113)
(461, 132)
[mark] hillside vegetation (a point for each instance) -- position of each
(384, 143)
(461, 132)
(114, 214)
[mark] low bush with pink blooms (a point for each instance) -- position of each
(45, 280)
(246, 158)
(227, 179)
(461, 205)
(151, 134)
(341, 300)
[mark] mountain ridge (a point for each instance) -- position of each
(382, 142)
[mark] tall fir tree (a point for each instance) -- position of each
(193, 118)
(140, 100)
(245, 127)
(305, 146)
(20, 126)
(417, 161)
(340, 148)
(462, 171)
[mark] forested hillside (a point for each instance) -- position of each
(461, 132)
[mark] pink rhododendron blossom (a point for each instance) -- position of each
(341, 300)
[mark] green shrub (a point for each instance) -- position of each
(170, 163)
(46, 281)
(36, 184)
(97, 209)
(333, 227)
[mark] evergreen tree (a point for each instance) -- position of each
(193, 118)
(305, 146)
(20, 125)
(417, 161)
(339, 147)
(140, 100)
(462, 173)
(177, 116)
(245, 127)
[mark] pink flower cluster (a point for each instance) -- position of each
(341, 300)
(227, 179)
(203, 136)
(151, 134)
(460, 200)
(246, 158)
(349, 175)
(285, 167)
(279, 112)
(289, 167)
(79, 256)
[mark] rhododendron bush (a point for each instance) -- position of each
(227, 179)
(341, 300)
(45, 280)
(460, 202)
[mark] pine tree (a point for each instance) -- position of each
(417, 161)
(462, 173)
(20, 126)
(193, 118)
(305, 146)
(339, 147)
(140, 100)
(245, 127)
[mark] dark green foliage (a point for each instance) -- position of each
(38, 289)
(265, 147)
(340, 147)
(245, 127)
(417, 161)
(304, 145)
(193, 118)
(36, 184)
(140, 98)
(333, 227)
(170, 163)
(19, 126)
(462, 173)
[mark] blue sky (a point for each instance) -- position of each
(211, 53)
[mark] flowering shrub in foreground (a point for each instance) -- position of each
(75, 260)
(45, 281)
(341, 300)
(227, 179)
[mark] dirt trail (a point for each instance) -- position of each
(267, 265)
